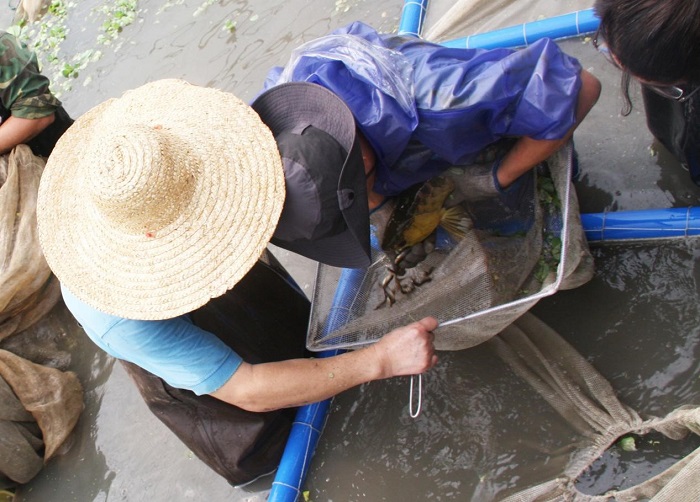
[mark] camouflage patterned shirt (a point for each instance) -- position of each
(24, 91)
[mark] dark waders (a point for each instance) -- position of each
(263, 318)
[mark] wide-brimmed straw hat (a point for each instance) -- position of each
(326, 216)
(153, 203)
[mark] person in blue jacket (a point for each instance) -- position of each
(421, 107)
(155, 210)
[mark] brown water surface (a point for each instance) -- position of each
(637, 321)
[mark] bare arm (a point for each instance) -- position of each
(528, 152)
(15, 130)
(262, 387)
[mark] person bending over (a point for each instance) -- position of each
(155, 211)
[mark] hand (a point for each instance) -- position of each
(408, 350)
(474, 182)
(478, 182)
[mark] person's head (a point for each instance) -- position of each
(656, 42)
(326, 215)
(153, 203)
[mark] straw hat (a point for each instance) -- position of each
(153, 203)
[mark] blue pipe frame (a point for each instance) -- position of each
(412, 17)
(568, 25)
(641, 224)
(599, 227)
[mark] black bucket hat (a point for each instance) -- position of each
(325, 215)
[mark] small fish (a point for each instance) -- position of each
(417, 213)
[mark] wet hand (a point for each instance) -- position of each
(408, 350)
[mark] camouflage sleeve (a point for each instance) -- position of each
(23, 89)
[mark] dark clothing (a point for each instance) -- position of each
(677, 126)
(237, 444)
(42, 144)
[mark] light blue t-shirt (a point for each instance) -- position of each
(175, 350)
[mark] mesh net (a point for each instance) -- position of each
(499, 279)
(29, 290)
(509, 258)
(588, 402)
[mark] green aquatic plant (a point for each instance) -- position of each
(229, 26)
(118, 15)
(58, 8)
(46, 38)
(627, 443)
(550, 255)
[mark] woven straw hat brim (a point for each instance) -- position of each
(235, 193)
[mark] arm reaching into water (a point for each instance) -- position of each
(528, 152)
(262, 387)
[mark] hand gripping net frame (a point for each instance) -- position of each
(480, 285)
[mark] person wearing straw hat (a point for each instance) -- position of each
(422, 108)
(155, 211)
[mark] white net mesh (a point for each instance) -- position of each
(480, 299)
(508, 260)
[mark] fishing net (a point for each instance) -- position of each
(39, 402)
(40, 407)
(502, 275)
(29, 290)
(510, 257)
(454, 19)
(596, 417)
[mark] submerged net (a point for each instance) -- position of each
(480, 292)
(597, 418)
(29, 290)
(508, 259)
(40, 403)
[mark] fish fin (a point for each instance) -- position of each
(456, 221)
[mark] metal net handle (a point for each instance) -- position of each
(414, 414)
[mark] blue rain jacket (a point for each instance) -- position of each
(424, 107)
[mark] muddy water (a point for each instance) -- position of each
(481, 427)
(483, 432)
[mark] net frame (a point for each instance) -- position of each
(341, 316)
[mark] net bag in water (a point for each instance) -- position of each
(509, 257)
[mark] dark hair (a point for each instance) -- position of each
(655, 40)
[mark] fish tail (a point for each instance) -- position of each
(456, 221)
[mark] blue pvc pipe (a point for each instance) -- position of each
(564, 26)
(309, 420)
(648, 224)
(642, 224)
(412, 17)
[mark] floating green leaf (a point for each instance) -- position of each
(627, 443)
